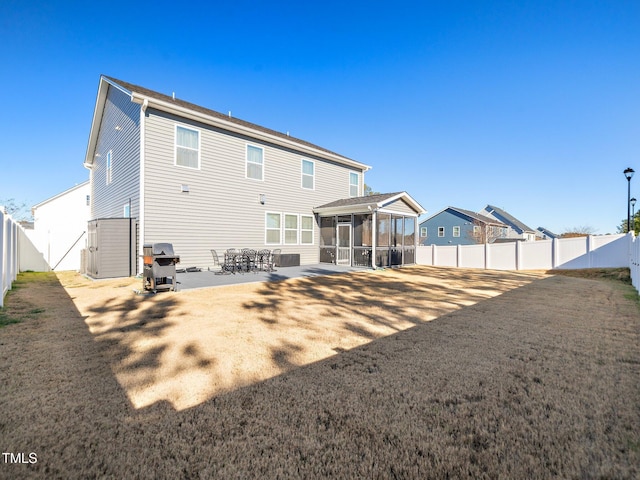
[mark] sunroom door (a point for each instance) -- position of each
(344, 244)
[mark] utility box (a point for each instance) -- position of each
(112, 247)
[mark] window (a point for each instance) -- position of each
(306, 229)
(255, 162)
(290, 229)
(272, 228)
(354, 184)
(476, 229)
(109, 167)
(456, 231)
(88, 200)
(308, 174)
(423, 232)
(126, 211)
(187, 147)
(441, 231)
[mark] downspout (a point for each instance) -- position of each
(143, 112)
(373, 239)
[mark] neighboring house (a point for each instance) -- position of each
(455, 226)
(518, 229)
(60, 225)
(203, 180)
(544, 234)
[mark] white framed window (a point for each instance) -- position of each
(354, 184)
(423, 232)
(441, 231)
(187, 147)
(456, 231)
(306, 229)
(290, 229)
(88, 200)
(126, 211)
(109, 166)
(255, 162)
(308, 174)
(273, 230)
(476, 229)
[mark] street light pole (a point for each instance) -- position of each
(628, 173)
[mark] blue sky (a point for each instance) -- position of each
(531, 106)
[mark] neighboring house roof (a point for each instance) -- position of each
(80, 185)
(507, 218)
(470, 215)
(369, 202)
(159, 101)
(548, 233)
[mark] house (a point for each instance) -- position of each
(518, 229)
(455, 226)
(203, 180)
(60, 226)
(545, 234)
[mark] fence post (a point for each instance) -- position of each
(486, 256)
(554, 253)
(589, 241)
(2, 255)
(433, 254)
(518, 256)
(458, 256)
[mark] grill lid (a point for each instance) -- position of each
(162, 249)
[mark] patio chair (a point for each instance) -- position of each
(272, 258)
(231, 258)
(218, 267)
(262, 258)
(249, 259)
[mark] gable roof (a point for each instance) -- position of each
(369, 202)
(159, 101)
(470, 215)
(547, 232)
(61, 194)
(510, 219)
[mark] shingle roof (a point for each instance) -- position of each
(197, 108)
(510, 219)
(477, 216)
(374, 201)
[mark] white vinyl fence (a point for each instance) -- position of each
(8, 253)
(604, 251)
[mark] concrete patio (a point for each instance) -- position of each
(207, 279)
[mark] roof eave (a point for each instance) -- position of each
(243, 130)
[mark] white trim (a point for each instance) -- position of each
(285, 229)
(109, 167)
(443, 230)
(175, 145)
(246, 162)
(357, 174)
(244, 130)
(266, 229)
(453, 231)
(312, 230)
(303, 175)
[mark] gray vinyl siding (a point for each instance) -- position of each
(222, 209)
(399, 206)
(108, 200)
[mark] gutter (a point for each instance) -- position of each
(241, 129)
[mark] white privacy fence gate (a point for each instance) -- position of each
(603, 251)
(8, 253)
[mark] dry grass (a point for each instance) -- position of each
(521, 375)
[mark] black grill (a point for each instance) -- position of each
(159, 267)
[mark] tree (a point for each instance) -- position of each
(19, 211)
(482, 232)
(581, 231)
(368, 191)
(635, 224)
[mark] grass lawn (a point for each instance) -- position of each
(421, 372)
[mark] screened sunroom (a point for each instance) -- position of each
(372, 231)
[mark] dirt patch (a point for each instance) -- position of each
(346, 376)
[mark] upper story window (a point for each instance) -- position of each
(354, 184)
(109, 166)
(456, 231)
(423, 232)
(187, 147)
(255, 162)
(308, 174)
(441, 231)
